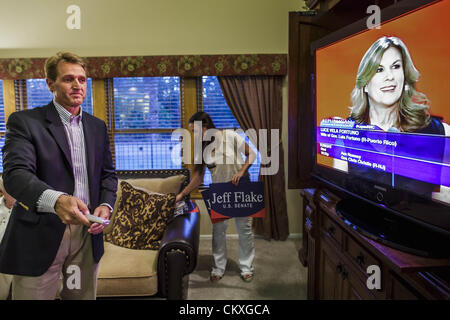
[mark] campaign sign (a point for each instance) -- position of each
(205, 195)
(225, 200)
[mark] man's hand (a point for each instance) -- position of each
(71, 210)
(102, 212)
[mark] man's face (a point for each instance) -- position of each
(69, 88)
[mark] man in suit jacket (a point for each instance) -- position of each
(58, 165)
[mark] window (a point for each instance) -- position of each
(213, 103)
(2, 125)
(142, 115)
(37, 94)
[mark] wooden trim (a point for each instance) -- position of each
(9, 98)
(302, 31)
(312, 4)
(99, 99)
(293, 98)
(190, 106)
(189, 98)
(109, 110)
(328, 5)
(323, 5)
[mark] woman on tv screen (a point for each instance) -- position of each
(385, 97)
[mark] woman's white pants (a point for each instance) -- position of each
(246, 249)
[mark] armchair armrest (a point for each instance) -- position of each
(178, 253)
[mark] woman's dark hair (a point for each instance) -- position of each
(204, 118)
(208, 124)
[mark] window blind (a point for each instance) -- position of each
(143, 112)
(147, 103)
(215, 105)
(139, 151)
(38, 95)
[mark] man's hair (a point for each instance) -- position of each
(51, 64)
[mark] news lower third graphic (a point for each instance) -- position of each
(419, 156)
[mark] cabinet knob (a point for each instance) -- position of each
(339, 268)
(331, 230)
(344, 274)
(360, 258)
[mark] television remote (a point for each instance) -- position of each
(96, 219)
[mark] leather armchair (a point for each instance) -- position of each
(178, 254)
(128, 272)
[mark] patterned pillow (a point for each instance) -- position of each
(141, 218)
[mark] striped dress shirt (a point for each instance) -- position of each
(75, 137)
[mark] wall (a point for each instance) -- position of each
(145, 27)
(31, 28)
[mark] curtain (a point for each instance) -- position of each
(256, 102)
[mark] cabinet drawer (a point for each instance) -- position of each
(331, 229)
(401, 291)
(359, 256)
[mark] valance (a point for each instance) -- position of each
(157, 66)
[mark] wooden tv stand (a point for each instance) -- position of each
(338, 257)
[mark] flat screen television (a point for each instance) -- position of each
(381, 125)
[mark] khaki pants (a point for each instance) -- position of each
(5, 285)
(74, 261)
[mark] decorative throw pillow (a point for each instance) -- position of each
(167, 185)
(141, 218)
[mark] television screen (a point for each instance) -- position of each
(382, 134)
(382, 113)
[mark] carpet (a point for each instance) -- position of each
(279, 275)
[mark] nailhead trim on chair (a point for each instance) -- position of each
(166, 278)
(179, 250)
